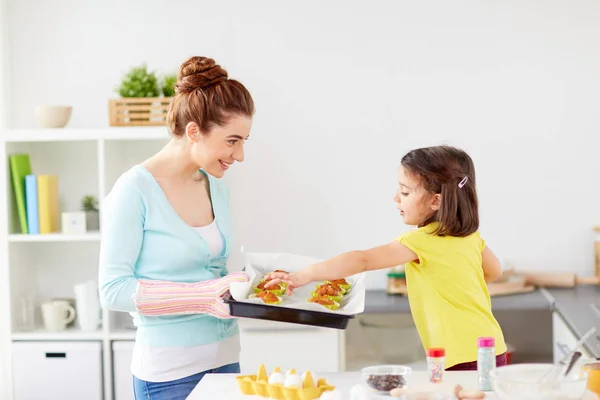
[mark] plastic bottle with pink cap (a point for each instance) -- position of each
(486, 361)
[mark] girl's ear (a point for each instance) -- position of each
(436, 202)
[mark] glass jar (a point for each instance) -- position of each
(436, 359)
(396, 282)
(486, 361)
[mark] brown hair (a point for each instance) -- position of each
(205, 95)
(450, 172)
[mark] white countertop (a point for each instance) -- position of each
(224, 386)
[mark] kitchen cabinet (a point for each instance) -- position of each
(563, 338)
(301, 347)
(122, 377)
(57, 370)
(373, 339)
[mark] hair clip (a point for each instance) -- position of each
(463, 182)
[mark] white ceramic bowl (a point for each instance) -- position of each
(53, 116)
(522, 381)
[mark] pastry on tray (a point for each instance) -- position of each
(330, 290)
(267, 297)
(278, 289)
(342, 283)
(325, 301)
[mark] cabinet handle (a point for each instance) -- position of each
(56, 355)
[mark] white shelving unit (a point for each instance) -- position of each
(88, 162)
(54, 237)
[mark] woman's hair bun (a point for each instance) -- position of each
(199, 73)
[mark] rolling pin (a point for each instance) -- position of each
(558, 279)
(459, 392)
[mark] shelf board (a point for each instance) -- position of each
(123, 334)
(72, 134)
(69, 334)
(55, 237)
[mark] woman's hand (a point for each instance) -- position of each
(293, 280)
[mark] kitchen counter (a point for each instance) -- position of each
(578, 306)
(378, 301)
(224, 386)
(572, 304)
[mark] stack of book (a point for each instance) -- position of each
(36, 197)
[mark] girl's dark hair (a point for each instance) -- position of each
(205, 95)
(450, 172)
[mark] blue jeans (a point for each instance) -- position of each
(178, 389)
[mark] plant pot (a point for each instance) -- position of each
(141, 109)
(92, 221)
(138, 111)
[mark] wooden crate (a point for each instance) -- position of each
(138, 111)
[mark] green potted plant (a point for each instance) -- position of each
(139, 90)
(168, 88)
(89, 205)
(139, 82)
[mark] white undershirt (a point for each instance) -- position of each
(163, 364)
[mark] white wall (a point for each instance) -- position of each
(5, 371)
(343, 89)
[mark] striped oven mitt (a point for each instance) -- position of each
(154, 297)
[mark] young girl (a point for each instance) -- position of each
(447, 262)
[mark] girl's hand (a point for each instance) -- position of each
(293, 280)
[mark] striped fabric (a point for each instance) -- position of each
(155, 297)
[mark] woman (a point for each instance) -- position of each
(166, 235)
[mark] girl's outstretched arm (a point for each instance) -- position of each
(492, 269)
(347, 264)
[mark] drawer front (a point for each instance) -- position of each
(122, 377)
(289, 346)
(57, 370)
(563, 339)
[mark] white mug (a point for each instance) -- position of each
(57, 314)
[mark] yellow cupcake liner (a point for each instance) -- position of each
(258, 385)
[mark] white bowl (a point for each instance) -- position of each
(522, 381)
(53, 116)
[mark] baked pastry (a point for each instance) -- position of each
(325, 301)
(267, 297)
(278, 289)
(331, 290)
(342, 283)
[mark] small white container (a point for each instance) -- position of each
(73, 223)
(87, 303)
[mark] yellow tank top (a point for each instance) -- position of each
(449, 299)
